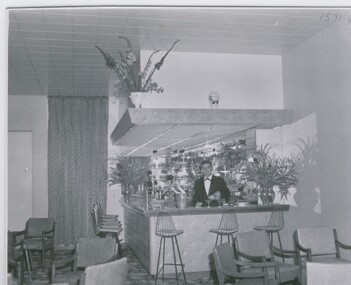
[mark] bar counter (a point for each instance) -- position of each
(196, 243)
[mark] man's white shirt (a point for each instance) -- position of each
(207, 181)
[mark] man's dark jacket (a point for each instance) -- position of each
(217, 184)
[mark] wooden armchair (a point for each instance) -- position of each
(227, 269)
(255, 246)
(89, 251)
(38, 235)
(319, 244)
(15, 256)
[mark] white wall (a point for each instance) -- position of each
(30, 113)
(243, 81)
(317, 80)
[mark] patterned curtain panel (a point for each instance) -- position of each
(77, 163)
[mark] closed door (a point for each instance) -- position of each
(19, 179)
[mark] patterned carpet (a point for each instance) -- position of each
(137, 275)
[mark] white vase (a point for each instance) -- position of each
(137, 98)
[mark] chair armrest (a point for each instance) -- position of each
(342, 245)
(284, 252)
(107, 217)
(47, 235)
(245, 275)
(48, 232)
(250, 257)
(18, 233)
(308, 251)
(20, 244)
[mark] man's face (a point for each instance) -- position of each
(206, 169)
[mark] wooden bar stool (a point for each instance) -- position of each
(275, 225)
(165, 229)
(227, 227)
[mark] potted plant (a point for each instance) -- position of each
(132, 82)
(268, 171)
(127, 171)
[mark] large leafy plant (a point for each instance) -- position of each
(128, 171)
(268, 171)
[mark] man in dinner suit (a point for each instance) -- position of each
(209, 185)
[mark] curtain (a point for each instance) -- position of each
(77, 163)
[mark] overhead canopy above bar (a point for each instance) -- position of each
(140, 131)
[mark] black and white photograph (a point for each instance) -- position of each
(153, 143)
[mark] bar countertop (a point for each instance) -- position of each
(204, 210)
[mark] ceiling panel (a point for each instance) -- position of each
(60, 42)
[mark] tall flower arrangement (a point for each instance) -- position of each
(130, 79)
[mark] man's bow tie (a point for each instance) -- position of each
(207, 179)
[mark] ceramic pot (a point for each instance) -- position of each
(213, 99)
(137, 98)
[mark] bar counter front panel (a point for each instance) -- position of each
(196, 243)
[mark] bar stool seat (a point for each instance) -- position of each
(165, 229)
(275, 225)
(227, 227)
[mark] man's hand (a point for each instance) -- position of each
(217, 195)
(198, 204)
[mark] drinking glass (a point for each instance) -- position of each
(208, 202)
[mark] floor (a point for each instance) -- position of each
(137, 275)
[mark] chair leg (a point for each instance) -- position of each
(280, 244)
(211, 261)
(158, 260)
(175, 261)
(163, 258)
(28, 265)
(119, 246)
(180, 258)
(43, 259)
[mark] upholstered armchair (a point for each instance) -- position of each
(255, 246)
(89, 251)
(319, 244)
(110, 273)
(328, 273)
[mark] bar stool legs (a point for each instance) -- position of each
(227, 227)
(275, 225)
(230, 241)
(279, 240)
(162, 247)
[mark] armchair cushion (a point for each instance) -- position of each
(92, 251)
(36, 226)
(326, 274)
(111, 273)
(319, 239)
